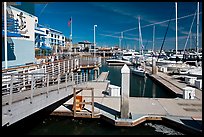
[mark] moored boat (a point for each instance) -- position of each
(138, 71)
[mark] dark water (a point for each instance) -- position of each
(59, 125)
(139, 87)
(69, 126)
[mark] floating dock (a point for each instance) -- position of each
(186, 114)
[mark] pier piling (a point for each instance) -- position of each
(125, 84)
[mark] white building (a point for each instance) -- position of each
(20, 38)
(48, 37)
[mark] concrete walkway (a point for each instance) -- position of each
(185, 112)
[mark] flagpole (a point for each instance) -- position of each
(176, 28)
(71, 32)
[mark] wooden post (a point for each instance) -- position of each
(125, 86)
(153, 65)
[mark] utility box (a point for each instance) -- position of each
(198, 83)
(114, 90)
(188, 93)
(190, 80)
(165, 69)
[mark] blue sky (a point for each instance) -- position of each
(113, 17)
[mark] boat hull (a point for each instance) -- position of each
(140, 73)
(118, 62)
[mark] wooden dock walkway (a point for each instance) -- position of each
(173, 84)
(103, 76)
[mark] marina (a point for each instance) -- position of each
(97, 90)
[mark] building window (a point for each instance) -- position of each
(47, 31)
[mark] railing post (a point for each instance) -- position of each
(44, 66)
(66, 80)
(24, 78)
(59, 67)
(92, 102)
(68, 65)
(58, 82)
(71, 64)
(99, 60)
(87, 75)
(74, 102)
(53, 68)
(81, 77)
(77, 81)
(11, 92)
(32, 87)
(48, 79)
(64, 65)
(72, 76)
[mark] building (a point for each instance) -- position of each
(48, 38)
(24, 35)
(84, 46)
(20, 37)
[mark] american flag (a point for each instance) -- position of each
(69, 22)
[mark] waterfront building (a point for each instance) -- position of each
(84, 45)
(20, 37)
(24, 32)
(48, 38)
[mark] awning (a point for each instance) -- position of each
(11, 34)
(45, 47)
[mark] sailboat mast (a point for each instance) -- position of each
(197, 28)
(120, 40)
(140, 37)
(176, 28)
(153, 38)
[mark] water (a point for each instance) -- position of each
(138, 86)
(59, 125)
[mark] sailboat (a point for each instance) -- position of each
(121, 59)
(175, 61)
(137, 69)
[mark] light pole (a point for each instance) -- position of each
(94, 39)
